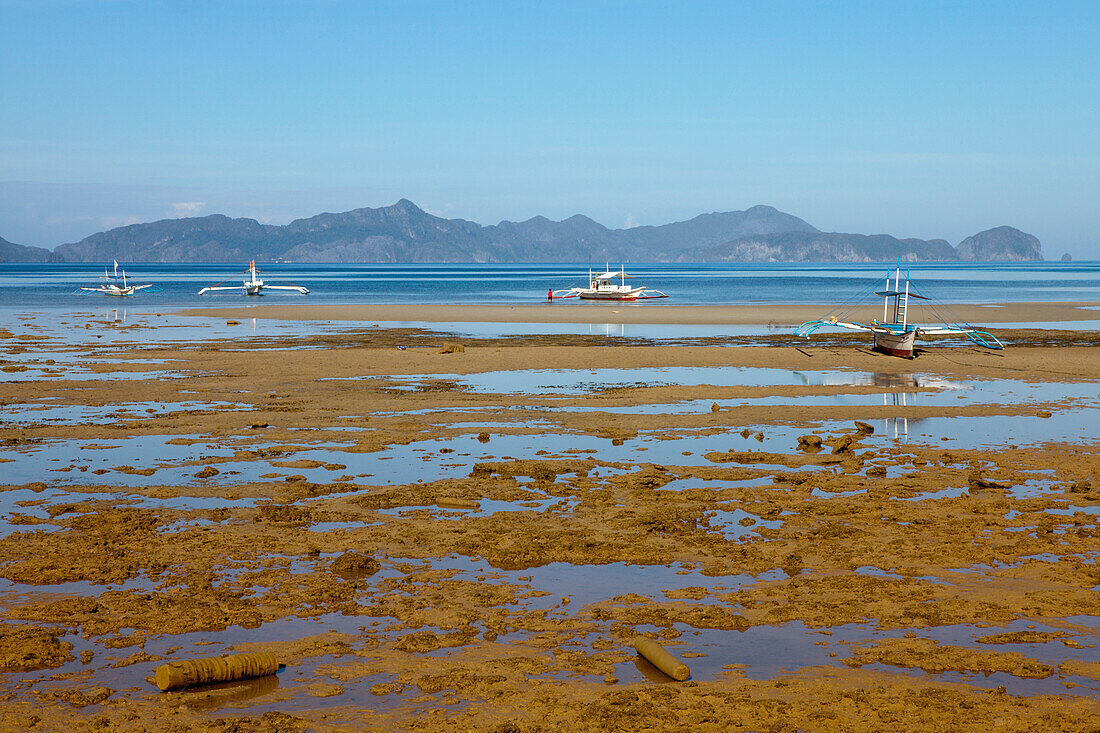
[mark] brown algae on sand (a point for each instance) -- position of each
(590, 517)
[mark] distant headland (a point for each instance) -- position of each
(404, 232)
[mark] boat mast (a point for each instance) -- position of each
(886, 299)
(894, 293)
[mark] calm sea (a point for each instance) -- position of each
(38, 287)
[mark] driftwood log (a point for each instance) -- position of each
(210, 670)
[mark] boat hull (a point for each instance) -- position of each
(111, 291)
(896, 343)
(609, 296)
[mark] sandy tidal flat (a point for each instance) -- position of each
(445, 539)
(578, 311)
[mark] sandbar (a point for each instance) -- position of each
(644, 313)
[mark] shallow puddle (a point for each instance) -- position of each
(186, 646)
(109, 414)
(766, 652)
(76, 373)
(138, 461)
(683, 484)
(15, 594)
(922, 389)
(108, 462)
(586, 381)
(736, 523)
(588, 584)
(1077, 426)
(120, 328)
(948, 493)
(485, 508)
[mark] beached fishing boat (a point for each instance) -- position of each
(114, 285)
(604, 287)
(253, 285)
(894, 334)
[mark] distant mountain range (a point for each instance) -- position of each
(406, 233)
(10, 252)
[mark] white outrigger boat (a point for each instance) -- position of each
(894, 334)
(604, 287)
(253, 285)
(114, 285)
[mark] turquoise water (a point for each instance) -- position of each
(51, 286)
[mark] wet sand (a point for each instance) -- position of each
(575, 311)
(830, 538)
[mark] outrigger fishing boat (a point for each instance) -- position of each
(253, 285)
(894, 334)
(604, 287)
(115, 285)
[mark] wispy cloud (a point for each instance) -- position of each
(110, 222)
(187, 208)
(442, 213)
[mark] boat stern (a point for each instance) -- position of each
(896, 343)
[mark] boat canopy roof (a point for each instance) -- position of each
(611, 275)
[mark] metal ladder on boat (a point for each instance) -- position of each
(901, 299)
(900, 305)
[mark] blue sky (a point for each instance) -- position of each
(921, 119)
